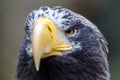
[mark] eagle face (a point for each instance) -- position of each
(61, 45)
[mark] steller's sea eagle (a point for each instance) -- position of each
(61, 45)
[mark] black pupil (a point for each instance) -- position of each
(68, 31)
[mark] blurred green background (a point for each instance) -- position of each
(104, 13)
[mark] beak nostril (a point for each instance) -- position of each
(49, 29)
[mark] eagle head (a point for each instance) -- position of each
(62, 44)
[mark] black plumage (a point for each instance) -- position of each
(86, 61)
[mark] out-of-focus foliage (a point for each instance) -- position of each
(104, 13)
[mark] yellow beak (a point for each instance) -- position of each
(45, 42)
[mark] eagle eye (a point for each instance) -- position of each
(70, 32)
